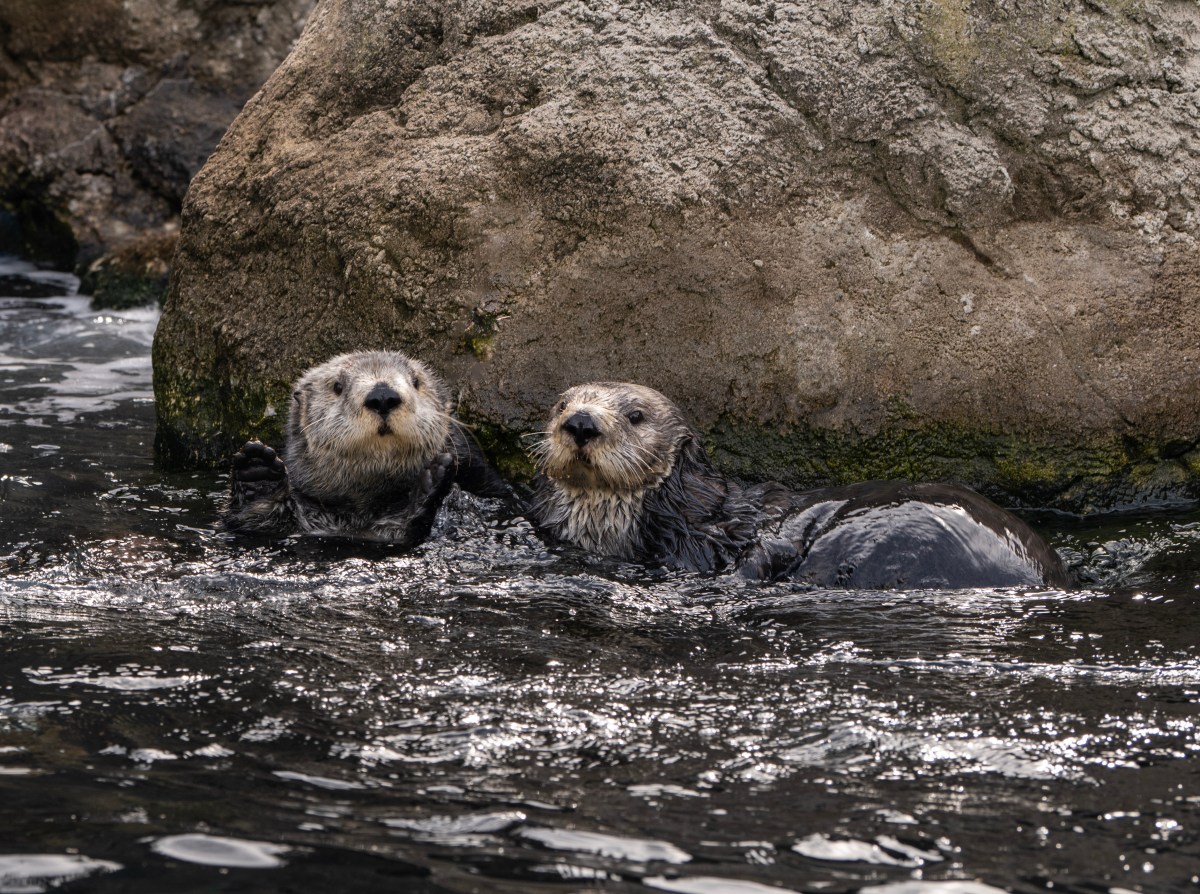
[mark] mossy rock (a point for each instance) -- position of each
(944, 279)
(1094, 475)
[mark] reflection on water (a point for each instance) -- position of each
(212, 850)
(182, 712)
(37, 872)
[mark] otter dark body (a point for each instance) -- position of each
(400, 510)
(897, 535)
(609, 486)
(371, 452)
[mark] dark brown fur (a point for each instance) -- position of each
(622, 473)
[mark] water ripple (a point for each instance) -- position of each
(489, 712)
(216, 850)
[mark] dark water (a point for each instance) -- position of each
(183, 713)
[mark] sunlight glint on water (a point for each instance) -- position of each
(488, 714)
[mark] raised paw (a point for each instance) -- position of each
(257, 463)
(436, 476)
(259, 494)
(258, 474)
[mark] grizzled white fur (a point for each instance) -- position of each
(599, 521)
(597, 491)
(340, 450)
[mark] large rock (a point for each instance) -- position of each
(938, 239)
(109, 107)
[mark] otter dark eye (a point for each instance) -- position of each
(562, 405)
(337, 387)
(417, 382)
(634, 416)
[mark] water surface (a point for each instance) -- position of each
(183, 712)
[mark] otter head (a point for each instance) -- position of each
(622, 473)
(617, 438)
(362, 417)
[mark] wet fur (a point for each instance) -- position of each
(644, 491)
(649, 493)
(351, 472)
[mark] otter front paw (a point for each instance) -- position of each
(436, 478)
(259, 494)
(258, 472)
(424, 499)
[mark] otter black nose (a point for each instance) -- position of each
(582, 427)
(382, 399)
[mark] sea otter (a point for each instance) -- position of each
(371, 450)
(621, 472)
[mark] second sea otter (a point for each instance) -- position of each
(622, 473)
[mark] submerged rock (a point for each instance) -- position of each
(852, 240)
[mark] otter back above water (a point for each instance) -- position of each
(899, 535)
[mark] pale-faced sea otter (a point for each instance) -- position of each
(371, 450)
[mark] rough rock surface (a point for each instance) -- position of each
(937, 239)
(108, 108)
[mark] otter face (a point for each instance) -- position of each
(372, 411)
(614, 437)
